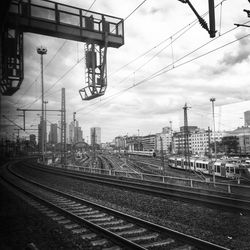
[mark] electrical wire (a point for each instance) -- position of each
(134, 10)
(158, 72)
(165, 71)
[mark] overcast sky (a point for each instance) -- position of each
(223, 73)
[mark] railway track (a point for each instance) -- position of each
(211, 198)
(105, 227)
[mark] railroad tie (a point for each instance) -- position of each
(159, 243)
(121, 227)
(101, 242)
(88, 236)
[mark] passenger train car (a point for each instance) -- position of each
(228, 168)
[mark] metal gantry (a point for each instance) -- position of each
(50, 18)
(186, 137)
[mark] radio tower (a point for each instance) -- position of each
(186, 136)
(63, 129)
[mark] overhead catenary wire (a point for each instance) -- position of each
(164, 68)
(165, 71)
(195, 21)
(187, 27)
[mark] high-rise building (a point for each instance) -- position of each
(75, 132)
(247, 118)
(40, 134)
(95, 136)
(33, 139)
(53, 137)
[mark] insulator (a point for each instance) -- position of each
(203, 24)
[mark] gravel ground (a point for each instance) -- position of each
(22, 224)
(228, 229)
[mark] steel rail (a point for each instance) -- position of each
(201, 244)
(162, 190)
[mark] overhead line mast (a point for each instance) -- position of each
(211, 30)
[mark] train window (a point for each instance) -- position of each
(192, 164)
(232, 170)
(218, 169)
(227, 169)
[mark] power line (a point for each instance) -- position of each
(135, 10)
(58, 80)
(163, 72)
(157, 72)
(195, 21)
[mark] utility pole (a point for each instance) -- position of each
(215, 153)
(94, 144)
(162, 156)
(45, 121)
(63, 129)
(171, 135)
(186, 136)
(209, 142)
(211, 30)
(215, 148)
(42, 51)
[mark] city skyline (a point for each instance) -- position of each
(152, 104)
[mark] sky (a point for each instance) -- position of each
(160, 36)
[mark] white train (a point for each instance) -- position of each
(229, 168)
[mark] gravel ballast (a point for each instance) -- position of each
(229, 229)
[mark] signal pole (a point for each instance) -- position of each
(42, 51)
(45, 121)
(171, 134)
(186, 136)
(63, 130)
(162, 157)
(215, 153)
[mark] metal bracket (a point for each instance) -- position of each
(202, 22)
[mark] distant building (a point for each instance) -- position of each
(40, 134)
(75, 132)
(78, 134)
(134, 143)
(33, 139)
(247, 118)
(163, 140)
(198, 140)
(120, 142)
(243, 136)
(95, 136)
(53, 136)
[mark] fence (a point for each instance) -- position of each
(197, 184)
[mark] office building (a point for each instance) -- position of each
(95, 136)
